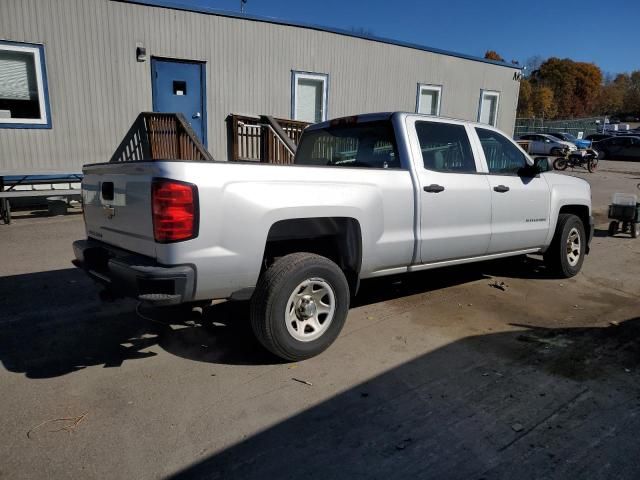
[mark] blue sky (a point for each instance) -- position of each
(593, 31)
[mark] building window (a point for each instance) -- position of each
(309, 97)
(23, 86)
(488, 110)
(429, 99)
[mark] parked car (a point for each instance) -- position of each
(596, 137)
(625, 147)
(567, 137)
(367, 196)
(545, 144)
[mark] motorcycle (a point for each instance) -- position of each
(581, 158)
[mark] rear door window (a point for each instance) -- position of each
(445, 147)
(366, 145)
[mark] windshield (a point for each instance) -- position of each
(369, 145)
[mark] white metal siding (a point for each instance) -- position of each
(97, 87)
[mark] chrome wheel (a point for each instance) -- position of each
(573, 247)
(310, 309)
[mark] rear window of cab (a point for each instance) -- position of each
(364, 145)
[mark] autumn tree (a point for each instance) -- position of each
(612, 95)
(576, 86)
(525, 105)
(564, 88)
(532, 64)
(632, 94)
(558, 75)
(493, 55)
(587, 88)
(542, 102)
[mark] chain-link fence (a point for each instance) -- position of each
(539, 125)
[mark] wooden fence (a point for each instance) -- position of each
(263, 139)
(160, 136)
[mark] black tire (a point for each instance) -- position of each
(602, 154)
(635, 230)
(560, 164)
(592, 165)
(557, 257)
(275, 288)
(613, 228)
(6, 211)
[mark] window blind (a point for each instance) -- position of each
(17, 72)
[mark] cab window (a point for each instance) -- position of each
(445, 147)
(503, 157)
(364, 145)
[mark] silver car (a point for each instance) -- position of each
(544, 144)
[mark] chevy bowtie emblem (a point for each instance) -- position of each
(109, 211)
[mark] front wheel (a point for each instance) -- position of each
(592, 165)
(560, 164)
(566, 252)
(602, 154)
(299, 306)
(613, 228)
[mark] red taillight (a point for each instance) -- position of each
(175, 215)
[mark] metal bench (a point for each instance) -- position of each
(57, 187)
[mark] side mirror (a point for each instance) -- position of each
(542, 164)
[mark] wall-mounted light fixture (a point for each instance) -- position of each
(141, 53)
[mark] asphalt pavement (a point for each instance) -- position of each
(494, 370)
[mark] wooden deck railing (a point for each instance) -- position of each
(264, 139)
(160, 136)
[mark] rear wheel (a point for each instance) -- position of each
(6, 211)
(560, 164)
(635, 230)
(566, 252)
(299, 306)
(613, 228)
(602, 154)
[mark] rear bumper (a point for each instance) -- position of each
(130, 275)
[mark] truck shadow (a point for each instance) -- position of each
(534, 403)
(53, 322)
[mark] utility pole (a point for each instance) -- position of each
(242, 4)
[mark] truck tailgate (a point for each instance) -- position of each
(117, 206)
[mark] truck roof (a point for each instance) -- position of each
(377, 116)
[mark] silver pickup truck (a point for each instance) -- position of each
(367, 196)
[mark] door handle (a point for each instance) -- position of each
(501, 188)
(196, 115)
(433, 188)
